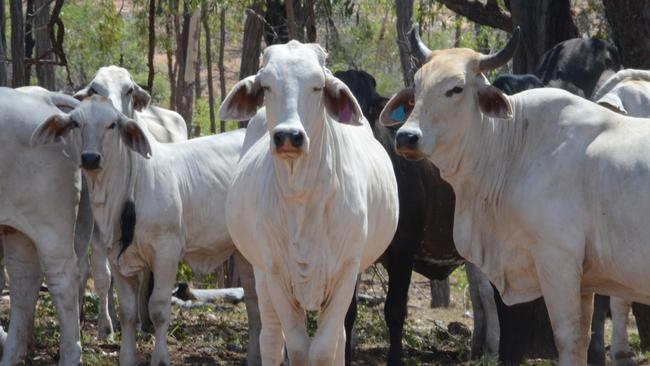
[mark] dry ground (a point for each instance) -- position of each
(216, 334)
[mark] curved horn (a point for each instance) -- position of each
(419, 50)
(492, 61)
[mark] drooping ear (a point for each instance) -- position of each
(52, 130)
(493, 102)
(141, 98)
(243, 100)
(134, 137)
(340, 103)
(82, 94)
(399, 108)
(613, 102)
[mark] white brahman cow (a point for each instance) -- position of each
(313, 201)
(551, 189)
(116, 84)
(626, 92)
(39, 194)
(178, 198)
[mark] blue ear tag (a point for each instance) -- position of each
(398, 114)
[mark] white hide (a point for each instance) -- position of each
(179, 195)
(316, 218)
(39, 194)
(551, 190)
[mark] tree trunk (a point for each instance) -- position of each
(152, 45)
(310, 22)
(197, 66)
(170, 63)
(222, 70)
(208, 61)
(544, 23)
(291, 19)
(404, 10)
(29, 39)
(3, 46)
(187, 52)
(44, 71)
(439, 293)
(630, 23)
(251, 45)
(17, 43)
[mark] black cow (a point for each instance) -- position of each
(512, 84)
(577, 64)
(424, 238)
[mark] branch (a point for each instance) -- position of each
(489, 14)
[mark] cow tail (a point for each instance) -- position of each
(127, 224)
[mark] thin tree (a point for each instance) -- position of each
(152, 44)
(291, 19)
(17, 43)
(251, 43)
(404, 11)
(208, 61)
(44, 67)
(3, 45)
(220, 64)
(630, 23)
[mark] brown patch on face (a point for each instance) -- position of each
(287, 151)
(410, 154)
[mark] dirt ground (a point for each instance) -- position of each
(216, 334)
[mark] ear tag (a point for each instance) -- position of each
(345, 115)
(398, 114)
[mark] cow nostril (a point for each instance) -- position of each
(297, 138)
(278, 138)
(407, 140)
(90, 161)
(413, 139)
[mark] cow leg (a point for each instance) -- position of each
(62, 274)
(620, 353)
(328, 344)
(82, 238)
(350, 318)
(586, 312)
(561, 290)
(127, 292)
(145, 286)
(250, 298)
(164, 272)
(400, 268)
(271, 339)
(25, 279)
(102, 280)
(486, 319)
(596, 352)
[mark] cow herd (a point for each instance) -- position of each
(538, 190)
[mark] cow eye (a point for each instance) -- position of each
(91, 92)
(112, 126)
(74, 124)
(318, 88)
(266, 89)
(130, 91)
(454, 90)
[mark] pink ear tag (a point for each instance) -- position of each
(345, 115)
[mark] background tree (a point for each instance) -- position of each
(630, 23)
(17, 43)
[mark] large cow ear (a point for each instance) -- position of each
(340, 103)
(53, 129)
(134, 137)
(399, 108)
(494, 103)
(613, 102)
(141, 98)
(242, 102)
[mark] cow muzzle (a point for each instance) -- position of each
(91, 161)
(407, 145)
(289, 143)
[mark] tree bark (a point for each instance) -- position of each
(489, 14)
(544, 23)
(222, 69)
(630, 23)
(291, 19)
(310, 22)
(44, 71)
(170, 62)
(152, 45)
(440, 293)
(197, 66)
(17, 43)
(208, 61)
(3, 45)
(251, 44)
(404, 10)
(29, 39)
(186, 62)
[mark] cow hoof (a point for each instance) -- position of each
(624, 358)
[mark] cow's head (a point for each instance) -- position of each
(116, 84)
(450, 91)
(296, 89)
(101, 128)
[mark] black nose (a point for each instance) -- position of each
(90, 161)
(406, 140)
(296, 138)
